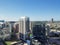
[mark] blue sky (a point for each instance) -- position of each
(35, 9)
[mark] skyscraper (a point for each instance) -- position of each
(24, 27)
(39, 33)
(52, 20)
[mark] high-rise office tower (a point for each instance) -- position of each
(52, 20)
(24, 27)
(39, 33)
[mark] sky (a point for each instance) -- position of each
(36, 10)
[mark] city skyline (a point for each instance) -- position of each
(37, 10)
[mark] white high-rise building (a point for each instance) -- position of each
(23, 27)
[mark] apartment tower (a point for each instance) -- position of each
(24, 27)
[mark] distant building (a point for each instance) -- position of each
(47, 29)
(2, 21)
(8, 26)
(16, 27)
(2, 24)
(12, 26)
(52, 20)
(24, 27)
(39, 33)
(33, 23)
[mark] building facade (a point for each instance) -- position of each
(39, 32)
(24, 27)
